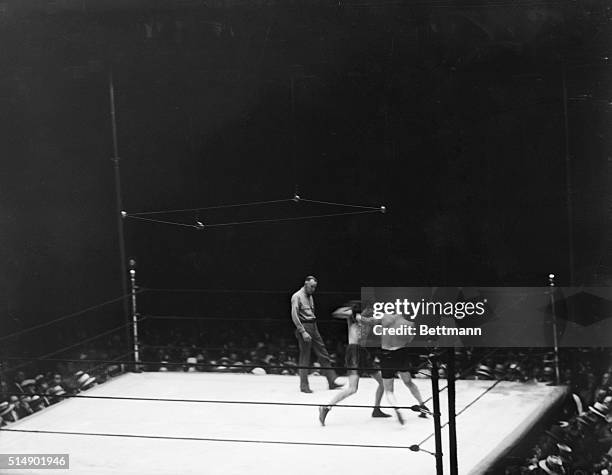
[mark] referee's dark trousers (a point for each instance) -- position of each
(318, 346)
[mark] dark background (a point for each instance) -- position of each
(451, 114)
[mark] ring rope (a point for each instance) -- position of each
(340, 204)
(466, 371)
(200, 227)
(46, 356)
(204, 208)
(295, 199)
(160, 221)
(87, 340)
(113, 360)
(414, 408)
(64, 317)
(463, 410)
(214, 439)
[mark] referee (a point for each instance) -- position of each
(307, 333)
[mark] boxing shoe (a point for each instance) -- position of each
(424, 411)
(378, 413)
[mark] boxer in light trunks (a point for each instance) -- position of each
(356, 357)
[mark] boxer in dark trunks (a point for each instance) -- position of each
(398, 357)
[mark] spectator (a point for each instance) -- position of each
(7, 412)
(19, 377)
(55, 394)
(28, 386)
(22, 405)
(58, 381)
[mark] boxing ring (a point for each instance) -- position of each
(215, 423)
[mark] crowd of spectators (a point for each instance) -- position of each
(29, 387)
(580, 444)
(580, 440)
(24, 396)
